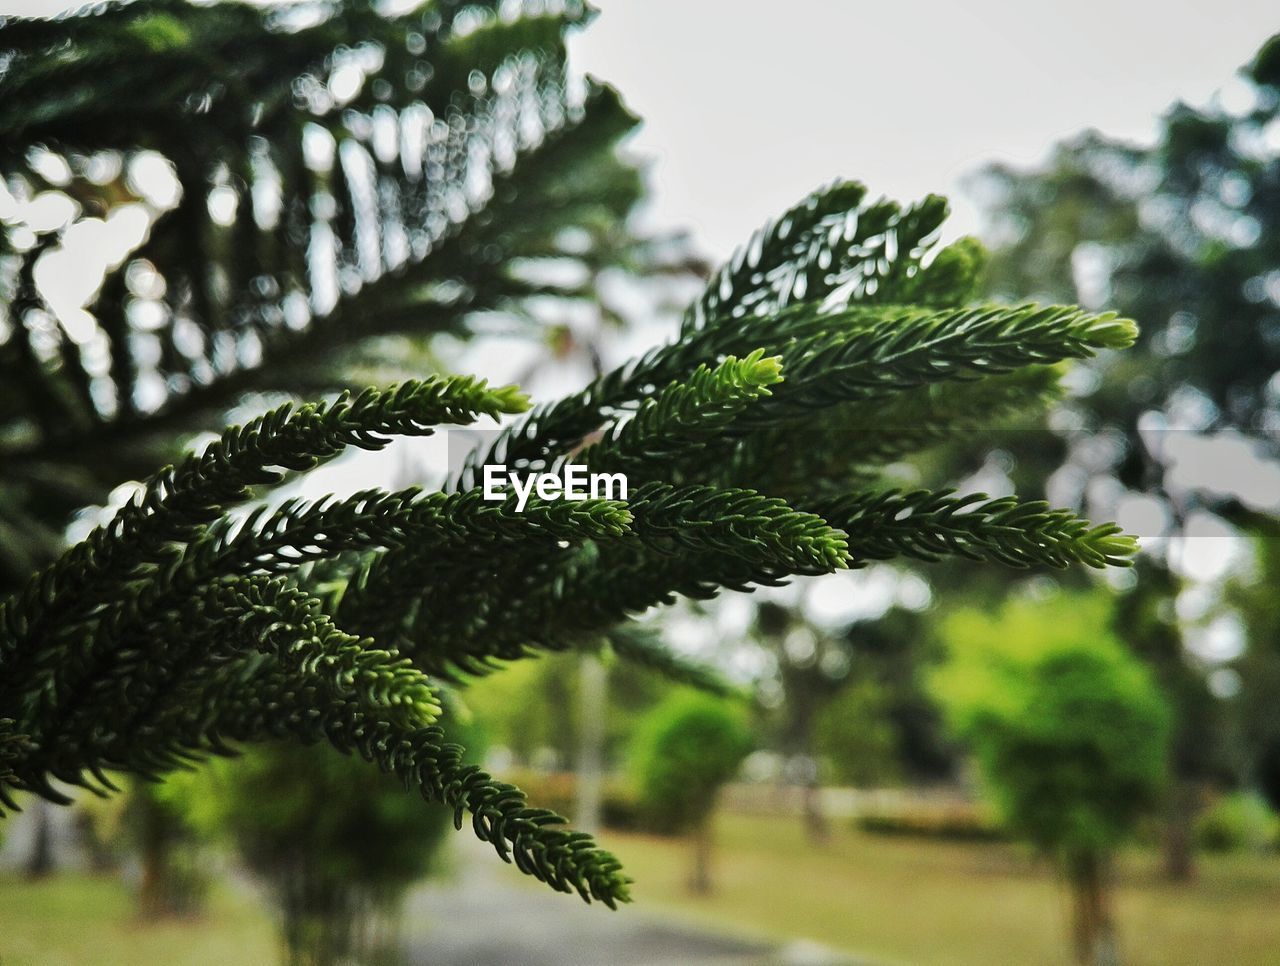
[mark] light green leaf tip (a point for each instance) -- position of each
(1111, 331)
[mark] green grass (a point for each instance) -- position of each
(73, 920)
(894, 900)
(898, 900)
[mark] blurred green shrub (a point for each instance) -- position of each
(955, 821)
(1239, 822)
(1068, 728)
(1070, 732)
(337, 843)
(683, 752)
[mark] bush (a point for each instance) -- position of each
(1240, 822)
(1071, 735)
(1069, 730)
(336, 844)
(558, 791)
(684, 751)
(955, 821)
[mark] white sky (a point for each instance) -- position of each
(750, 106)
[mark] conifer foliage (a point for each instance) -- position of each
(182, 628)
(308, 184)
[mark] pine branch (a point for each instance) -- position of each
(686, 415)
(917, 348)
(383, 594)
(827, 249)
(151, 74)
(826, 243)
(833, 449)
(177, 631)
(14, 747)
(269, 704)
(535, 839)
(297, 531)
(828, 358)
(689, 540)
(138, 626)
(178, 503)
(213, 634)
(930, 525)
(753, 529)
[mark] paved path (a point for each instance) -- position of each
(485, 916)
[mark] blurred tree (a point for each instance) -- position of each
(812, 668)
(684, 751)
(1254, 598)
(881, 661)
(895, 653)
(336, 846)
(1185, 237)
(157, 823)
(1070, 734)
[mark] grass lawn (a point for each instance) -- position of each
(77, 920)
(901, 900)
(893, 900)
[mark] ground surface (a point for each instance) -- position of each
(896, 900)
(76, 920)
(489, 914)
(887, 900)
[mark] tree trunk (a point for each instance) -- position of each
(1179, 828)
(815, 819)
(1093, 931)
(590, 778)
(101, 857)
(154, 900)
(700, 877)
(170, 884)
(40, 859)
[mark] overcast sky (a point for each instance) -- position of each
(750, 105)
